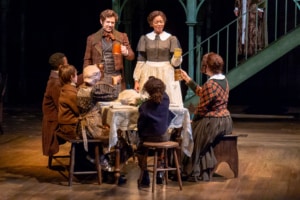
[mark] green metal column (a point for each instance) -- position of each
(127, 19)
(120, 9)
(191, 10)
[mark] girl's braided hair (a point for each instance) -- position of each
(155, 88)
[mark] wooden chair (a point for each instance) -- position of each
(225, 150)
(72, 162)
(157, 146)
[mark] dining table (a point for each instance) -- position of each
(123, 119)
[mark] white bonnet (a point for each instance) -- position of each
(91, 74)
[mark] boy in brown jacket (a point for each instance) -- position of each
(50, 144)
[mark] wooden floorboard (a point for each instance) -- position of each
(269, 167)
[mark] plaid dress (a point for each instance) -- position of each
(211, 120)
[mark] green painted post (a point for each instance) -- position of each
(120, 9)
(191, 10)
(117, 8)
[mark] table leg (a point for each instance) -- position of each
(176, 136)
(118, 157)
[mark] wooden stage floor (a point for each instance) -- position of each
(269, 167)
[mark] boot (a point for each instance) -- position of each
(142, 161)
(145, 180)
(159, 177)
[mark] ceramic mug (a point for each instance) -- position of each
(177, 74)
(116, 48)
(177, 52)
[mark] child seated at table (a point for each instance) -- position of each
(90, 125)
(90, 120)
(50, 143)
(153, 122)
(68, 111)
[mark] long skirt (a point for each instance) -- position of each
(205, 132)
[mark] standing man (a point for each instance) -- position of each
(100, 46)
(251, 26)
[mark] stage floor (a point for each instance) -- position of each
(269, 160)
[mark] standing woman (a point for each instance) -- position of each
(252, 27)
(155, 58)
(211, 117)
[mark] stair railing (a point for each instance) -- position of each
(281, 16)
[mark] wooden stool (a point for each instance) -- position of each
(156, 146)
(74, 142)
(225, 150)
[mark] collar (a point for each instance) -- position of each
(163, 36)
(103, 32)
(217, 76)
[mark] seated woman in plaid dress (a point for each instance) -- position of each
(211, 117)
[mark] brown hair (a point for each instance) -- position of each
(215, 63)
(56, 59)
(204, 63)
(155, 88)
(108, 13)
(65, 73)
(154, 14)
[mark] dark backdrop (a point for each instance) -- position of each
(36, 29)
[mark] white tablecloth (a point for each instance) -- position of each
(125, 118)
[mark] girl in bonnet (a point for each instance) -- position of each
(90, 119)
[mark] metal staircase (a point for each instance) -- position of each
(285, 32)
(297, 2)
(264, 58)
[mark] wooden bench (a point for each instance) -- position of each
(72, 162)
(225, 150)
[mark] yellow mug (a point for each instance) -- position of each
(177, 52)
